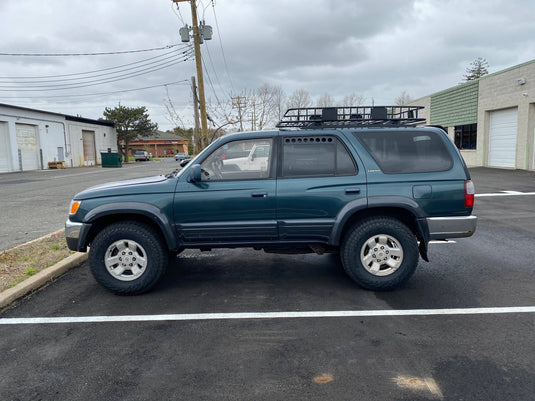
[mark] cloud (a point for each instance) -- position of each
(374, 48)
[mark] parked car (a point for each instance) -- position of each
(179, 157)
(363, 182)
(141, 155)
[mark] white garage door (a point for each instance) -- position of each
(4, 149)
(502, 133)
(28, 146)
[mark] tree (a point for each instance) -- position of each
(130, 123)
(280, 100)
(186, 133)
(299, 98)
(265, 105)
(403, 99)
(352, 100)
(326, 100)
(256, 109)
(477, 69)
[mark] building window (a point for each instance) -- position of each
(466, 136)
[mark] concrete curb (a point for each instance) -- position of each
(36, 240)
(40, 279)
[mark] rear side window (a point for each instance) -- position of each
(402, 152)
(316, 156)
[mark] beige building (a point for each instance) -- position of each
(491, 120)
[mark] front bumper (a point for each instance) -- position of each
(75, 235)
(451, 227)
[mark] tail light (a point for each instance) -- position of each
(469, 193)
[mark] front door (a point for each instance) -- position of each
(234, 202)
(90, 154)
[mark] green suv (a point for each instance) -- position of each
(364, 182)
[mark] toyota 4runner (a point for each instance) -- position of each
(364, 182)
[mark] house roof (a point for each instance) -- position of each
(67, 117)
(160, 136)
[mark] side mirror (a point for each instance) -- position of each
(195, 173)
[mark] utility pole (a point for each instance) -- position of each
(239, 102)
(197, 145)
(198, 62)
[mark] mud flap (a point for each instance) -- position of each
(423, 250)
(423, 238)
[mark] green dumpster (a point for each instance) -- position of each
(110, 159)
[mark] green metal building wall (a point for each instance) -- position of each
(455, 106)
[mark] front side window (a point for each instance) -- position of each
(239, 160)
(402, 152)
(315, 156)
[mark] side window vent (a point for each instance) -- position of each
(309, 140)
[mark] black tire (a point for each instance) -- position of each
(370, 266)
(141, 241)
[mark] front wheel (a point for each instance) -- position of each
(127, 258)
(380, 253)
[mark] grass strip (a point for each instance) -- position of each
(22, 262)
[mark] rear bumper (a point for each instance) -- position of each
(451, 227)
(75, 235)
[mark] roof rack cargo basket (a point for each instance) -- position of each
(349, 116)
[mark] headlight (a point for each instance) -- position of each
(74, 207)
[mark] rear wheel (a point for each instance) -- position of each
(380, 253)
(127, 258)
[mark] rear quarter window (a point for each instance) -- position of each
(403, 152)
(316, 156)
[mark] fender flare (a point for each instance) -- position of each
(144, 209)
(398, 202)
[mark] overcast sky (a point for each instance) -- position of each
(374, 48)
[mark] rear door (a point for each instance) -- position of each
(317, 177)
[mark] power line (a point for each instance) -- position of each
(210, 81)
(96, 94)
(212, 64)
(178, 14)
(99, 82)
(87, 54)
(221, 45)
(188, 48)
(175, 55)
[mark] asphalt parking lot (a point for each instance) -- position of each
(206, 332)
(35, 203)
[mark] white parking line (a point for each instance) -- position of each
(506, 193)
(267, 315)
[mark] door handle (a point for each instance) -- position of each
(352, 191)
(259, 194)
